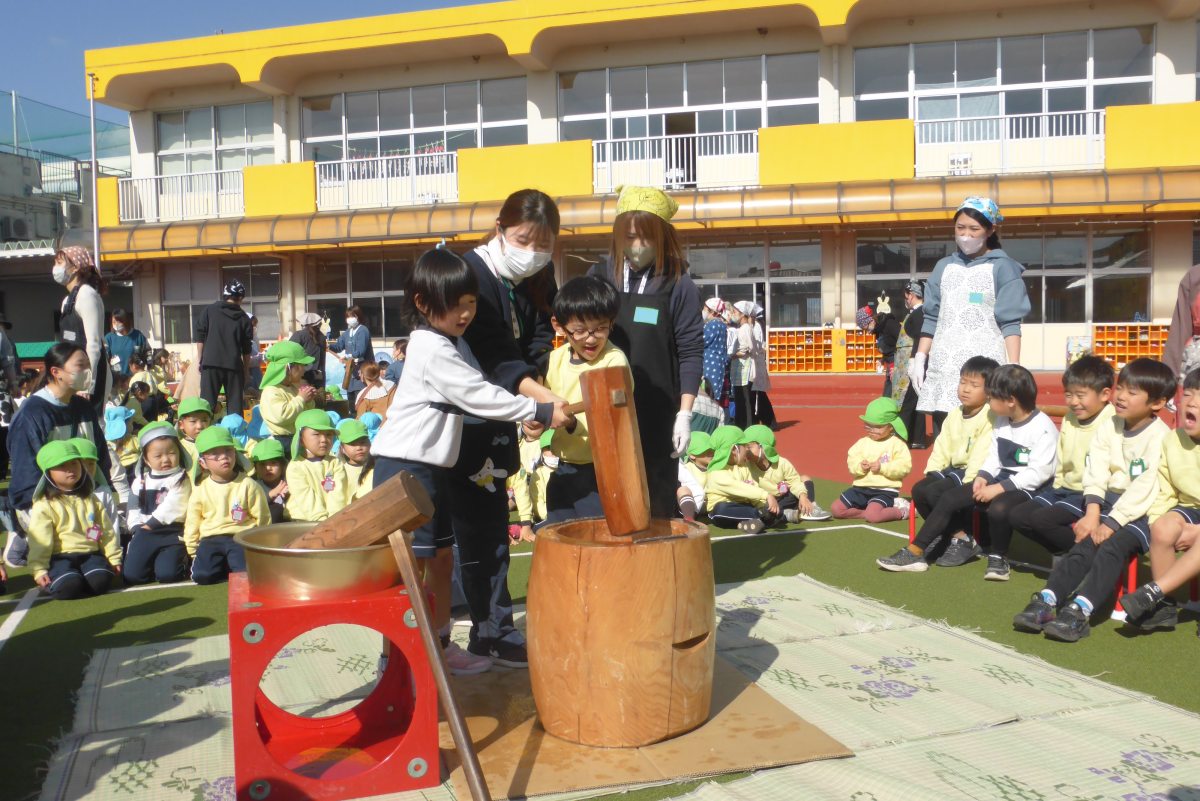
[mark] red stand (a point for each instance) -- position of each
(386, 744)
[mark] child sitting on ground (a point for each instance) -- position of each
(195, 415)
(122, 450)
(1176, 514)
(269, 466)
(585, 309)
(958, 453)
(225, 500)
(285, 393)
(1121, 485)
(1021, 461)
(355, 456)
(693, 475)
(89, 457)
(160, 491)
(879, 462)
(796, 493)
(1049, 519)
(735, 500)
(528, 482)
(74, 550)
(316, 479)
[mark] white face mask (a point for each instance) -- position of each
(60, 274)
(971, 245)
(550, 461)
(352, 322)
(640, 255)
(119, 329)
(517, 263)
(81, 381)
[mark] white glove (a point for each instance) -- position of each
(681, 434)
(916, 371)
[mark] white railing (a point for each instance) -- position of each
(191, 196)
(702, 161)
(1066, 140)
(417, 180)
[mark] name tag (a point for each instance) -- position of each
(328, 484)
(1136, 468)
(975, 297)
(1022, 456)
(93, 533)
(68, 336)
(642, 314)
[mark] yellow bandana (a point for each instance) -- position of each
(645, 198)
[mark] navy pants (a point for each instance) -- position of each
(216, 558)
(1091, 570)
(571, 493)
(79, 575)
(156, 555)
(728, 514)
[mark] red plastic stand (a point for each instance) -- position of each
(386, 744)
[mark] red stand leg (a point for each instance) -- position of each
(386, 744)
(912, 522)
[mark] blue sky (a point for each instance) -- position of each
(42, 57)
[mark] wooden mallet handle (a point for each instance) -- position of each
(400, 502)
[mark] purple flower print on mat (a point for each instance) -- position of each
(1146, 797)
(221, 789)
(1147, 760)
(889, 688)
(897, 662)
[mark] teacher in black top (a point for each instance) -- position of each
(659, 329)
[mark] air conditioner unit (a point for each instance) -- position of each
(73, 214)
(14, 229)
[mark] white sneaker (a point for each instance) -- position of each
(817, 513)
(904, 506)
(791, 515)
(461, 662)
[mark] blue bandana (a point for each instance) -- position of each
(985, 206)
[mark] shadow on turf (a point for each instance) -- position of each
(749, 558)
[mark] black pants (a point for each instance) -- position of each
(928, 491)
(954, 502)
(79, 575)
(1048, 526)
(728, 514)
(571, 493)
(913, 420)
(3, 452)
(999, 520)
(212, 379)
(156, 556)
(743, 398)
(1092, 571)
(763, 412)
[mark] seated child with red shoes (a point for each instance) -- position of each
(879, 462)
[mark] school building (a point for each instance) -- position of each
(817, 150)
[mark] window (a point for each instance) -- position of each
(215, 138)
(417, 120)
(188, 288)
(959, 80)
(720, 96)
(371, 280)
(734, 270)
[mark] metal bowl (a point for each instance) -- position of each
(303, 574)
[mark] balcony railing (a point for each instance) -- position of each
(692, 161)
(191, 196)
(1068, 140)
(416, 180)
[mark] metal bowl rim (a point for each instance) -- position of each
(239, 538)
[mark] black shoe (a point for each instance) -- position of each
(1071, 625)
(958, 552)
(1140, 603)
(1034, 617)
(1163, 617)
(502, 652)
(918, 446)
(997, 569)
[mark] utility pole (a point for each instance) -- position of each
(95, 200)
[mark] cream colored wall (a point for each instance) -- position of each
(541, 89)
(141, 144)
(1171, 246)
(1175, 62)
(147, 303)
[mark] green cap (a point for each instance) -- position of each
(699, 444)
(55, 453)
(191, 405)
(546, 438)
(267, 450)
(334, 392)
(279, 356)
(723, 440)
(160, 430)
(215, 437)
(351, 431)
(765, 437)
(885, 411)
(315, 419)
(86, 448)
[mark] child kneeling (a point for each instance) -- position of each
(879, 462)
(74, 551)
(735, 498)
(157, 507)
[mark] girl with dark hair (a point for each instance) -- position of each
(53, 412)
(975, 301)
(82, 319)
(124, 341)
(511, 337)
(424, 433)
(660, 331)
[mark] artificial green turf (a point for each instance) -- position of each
(42, 666)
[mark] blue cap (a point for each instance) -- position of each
(116, 422)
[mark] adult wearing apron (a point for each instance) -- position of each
(511, 338)
(975, 301)
(82, 321)
(660, 331)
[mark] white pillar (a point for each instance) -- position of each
(542, 105)
(1171, 249)
(141, 144)
(1175, 61)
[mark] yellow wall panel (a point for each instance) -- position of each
(276, 189)
(108, 206)
(1146, 137)
(833, 153)
(560, 169)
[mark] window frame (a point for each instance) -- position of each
(193, 303)
(213, 149)
(349, 297)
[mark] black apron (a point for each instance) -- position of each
(72, 330)
(645, 331)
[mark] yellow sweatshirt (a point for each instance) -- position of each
(733, 484)
(963, 443)
(317, 488)
(155, 378)
(127, 450)
(528, 482)
(780, 472)
(1178, 475)
(897, 462)
(1128, 464)
(189, 445)
(216, 509)
(280, 406)
(1074, 445)
(562, 378)
(361, 478)
(62, 524)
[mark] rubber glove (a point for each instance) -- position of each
(682, 433)
(916, 371)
